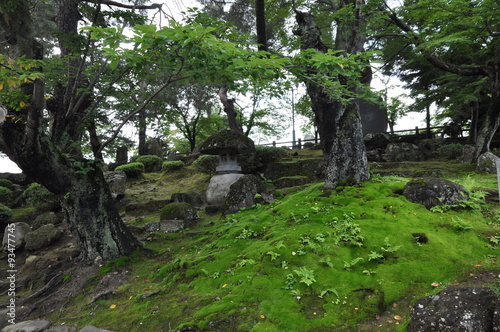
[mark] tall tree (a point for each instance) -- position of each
(337, 118)
(460, 38)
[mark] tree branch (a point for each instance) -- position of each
(123, 5)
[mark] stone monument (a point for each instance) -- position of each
(227, 144)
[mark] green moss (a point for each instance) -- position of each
(6, 183)
(169, 166)
(5, 194)
(133, 170)
(5, 213)
(206, 163)
(238, 273)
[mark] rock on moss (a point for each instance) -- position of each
(242, 194)
(433, 191)
(456, 309)
(486, 163)
(179, 211)
(45, 219)
(19, 232)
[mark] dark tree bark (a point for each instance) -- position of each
(339, 124)
(260, 20)
(51, 156)
(232, 116)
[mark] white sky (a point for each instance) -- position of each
(174, 8)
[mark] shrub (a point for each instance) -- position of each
(269, 154)
(450, 151)
(5, 213)
(133, 170)
(206, 163)
(5, 194)
(36, 194)
(6, 183)
(169, 166)
(151, 163)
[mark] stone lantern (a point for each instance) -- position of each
(227, 144)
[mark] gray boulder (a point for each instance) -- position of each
(16, 236)
(433, 191)
(486, 163)
(219, 187)
(242, 194)
(42, 237)
(174, 217)
(376, 141)
(45, 219)
(458, 309)
(28, 326)
(153, 147)
(403, 152)
(117, 181)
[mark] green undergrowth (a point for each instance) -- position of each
(314, 260)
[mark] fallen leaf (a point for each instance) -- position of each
(397, 317)
(262, 316)
(224, 286)
(394, 305)
(112, 306)
(377, 317)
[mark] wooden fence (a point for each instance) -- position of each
(418, 133)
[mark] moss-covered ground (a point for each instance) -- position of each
(313, 260)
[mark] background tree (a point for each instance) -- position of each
(460, 38)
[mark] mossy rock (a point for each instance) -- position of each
(227, 140)
(170, 166)
(291, 181)
(151, 163)
(242, 193)
(179, 211)
(133, 170)
(261, 158)
(311, 168)
(431, 192)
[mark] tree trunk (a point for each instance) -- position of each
(339, 125)
(93, 219)
(260, 23)
(51, 155)
(228, 104)
(142, 133)
(488, 128)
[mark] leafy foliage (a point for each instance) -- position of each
(36, 194)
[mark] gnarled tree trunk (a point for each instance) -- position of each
(339, 124)
(51, 156)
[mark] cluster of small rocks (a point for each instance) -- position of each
(44, 230)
